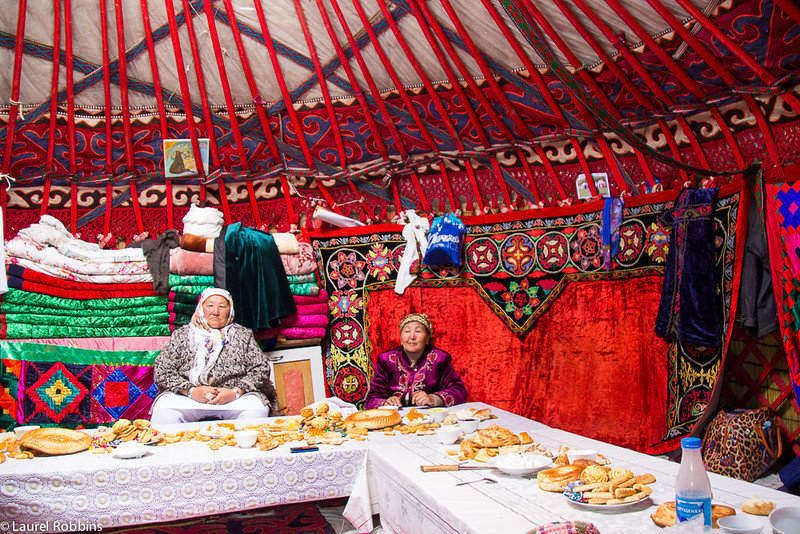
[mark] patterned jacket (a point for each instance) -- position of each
(240, 364)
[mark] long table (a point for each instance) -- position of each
(380, 475)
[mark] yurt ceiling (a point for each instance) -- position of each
(425, 103)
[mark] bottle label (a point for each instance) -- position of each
(687, 508)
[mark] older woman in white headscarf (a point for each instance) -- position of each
(212, 368)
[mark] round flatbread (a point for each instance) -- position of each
(373, 419)
(55, 441)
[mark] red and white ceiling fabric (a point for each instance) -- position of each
(373, 106)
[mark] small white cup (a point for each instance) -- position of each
(585, 454)
(22, 430)
(449, 434)
(437, 414)
(468, 425)
(246, 438)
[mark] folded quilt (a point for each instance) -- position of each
(284, 343)
(191, 280)
(50, 231)
(25, 331)
(302, 278)
(18, 296)
(181, 307)
(307, 289)
(105, 344)
(184, 298)
(186, 262)
(179, 319)
(94, 321)
(312, 309)
(304, 320)
(301, 299)
(35, 287)
(301, 332)
(66, 274)
(31, 275)
(301, 263)
(11, 308)
(23, 247)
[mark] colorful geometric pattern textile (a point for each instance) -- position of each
(58, 384)
(55, 393)
(782, 206)
(519, 267)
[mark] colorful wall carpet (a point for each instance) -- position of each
(56, 384)
(534, 323)
(782, 207)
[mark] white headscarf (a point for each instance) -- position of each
(207, 342)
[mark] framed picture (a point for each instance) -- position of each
(600, 183)
(179, 157)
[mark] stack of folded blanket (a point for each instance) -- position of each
(307, 326)
(183, 294)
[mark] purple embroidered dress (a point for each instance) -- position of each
(433, 374)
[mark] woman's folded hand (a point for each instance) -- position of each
(223, 396)
(203, 394)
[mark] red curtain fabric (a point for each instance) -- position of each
(592, 365)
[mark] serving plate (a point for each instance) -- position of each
(608, 508)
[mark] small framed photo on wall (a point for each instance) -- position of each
(600, 184)
(179, 159)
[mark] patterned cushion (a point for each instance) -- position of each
(56, 392)
(125, 391)
(9, 378)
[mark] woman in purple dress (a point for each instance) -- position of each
(416, 373)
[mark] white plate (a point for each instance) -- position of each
(540, 462)
(129, 453)
(609, 508)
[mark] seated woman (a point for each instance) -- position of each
(415, 373)
(212, 368)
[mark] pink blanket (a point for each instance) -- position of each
(301, 299)
(304, 320)
(311, 309)
(186, 262)
(301, 333)
(301, 263)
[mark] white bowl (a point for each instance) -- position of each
(448, 434)
(785, 520)
(521, 464)
(246, 438)
(437, 414)
(129, 449)
(741, 524)
(586, 454)
(468, 425)
(22, 430)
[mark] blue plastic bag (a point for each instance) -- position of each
(445, 242)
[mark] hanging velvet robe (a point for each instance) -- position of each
(691, 298)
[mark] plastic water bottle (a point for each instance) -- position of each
(692, 487)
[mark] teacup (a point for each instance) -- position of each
(785, 520)
(449, 434)
(437, 414)
(22, 430)
(584, 454)
(246, 438)
(468, 425)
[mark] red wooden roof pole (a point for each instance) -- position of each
(431, 22)
(545, 91)
(273, 147)
(208, 119)
(276, 67)
(14, 106)
(359, 95)
(184, 85)
(790, 8)
(644, 76)
(375, 93)
(229, 104)
(162, 114)
(73, 186)
(614, 68)
(126, 114)
(487, 73)
(473, 117)
(51, 139)
(387, 64)
(435, 97)
(107, 112)
(326, 96)
(467, 77)
(262, 116)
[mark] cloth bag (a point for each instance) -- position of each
(445, 241)
(742, 444)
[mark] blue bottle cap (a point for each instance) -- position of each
(691, 443)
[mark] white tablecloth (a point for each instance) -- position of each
(172, 482)
(410, 501)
